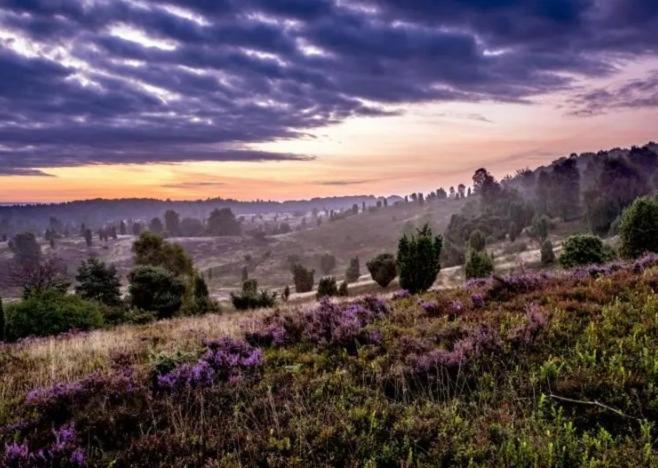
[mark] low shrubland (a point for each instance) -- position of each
(537, 369)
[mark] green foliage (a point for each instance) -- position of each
(199, 301)
(418, 260)
(353, 271)
(156, 290)
(98, 282)
(286, 293)
(547, 253)
(583, 249)
(172, 223)
(222, 222)
(478, 265)
(383, 269)
(327, 287)
(343, 289)
(25, 248)
(251, 298)
(156, 226)
(49, 314)
(601, 213)
(477, 241)
(327, 263)
(540, 227)
(151, 249)
(302, 278)
(638, 229)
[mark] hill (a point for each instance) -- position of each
(553, 369)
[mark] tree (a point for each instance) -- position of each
(479, 264)
(302, 278)
(155, 226)
(151, 249)
(26, 249)
(88, 237)
(172, 223)
(540, 227)
(286, 293)
(353, 271)
(191, 227)
(601, 213)
(547, 253)
(98, 282)
(327, 287)
(418, 259)
(383, 269)
(565, 189)
(222, 222)
(638, 229)
(251, 298)
(156, 290)
(583, 249)
(477, 241)
(36, 279)
(122, 228)
(327, 263)
(343, 290)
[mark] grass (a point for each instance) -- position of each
(558, 370)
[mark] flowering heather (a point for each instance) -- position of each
(273, 330)
(225, 360)
(63, 451)
(536, 321)
(515, 284)
(332, 324)
(430, 307)
(456, 308)
(477, 300)
(401, 294)
(646, 261)
(478, 341)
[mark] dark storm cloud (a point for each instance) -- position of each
(636, 93)
(224, 74)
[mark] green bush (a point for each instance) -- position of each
(302, 278)
(383, 269)
(638, 229)
(343, 290)
(251, 298)
(98, 282)
(353, 271)
(156, 290)
(547, 253)
(583, 249)
(478, 265)
(477, 241)
(327, 287)
(51, 313)
(418, 260)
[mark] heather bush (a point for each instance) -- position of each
(383, 269)
(49, 314)
(418, 260)
(156, 290)
(547, 253)
(327, 287)
(251, 298)
(63, 451)
(353, 271)
(583, 249)
(302, 278)
(478, 265)
(638, 229)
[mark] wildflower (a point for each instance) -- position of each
(477, 300)
(401, 294)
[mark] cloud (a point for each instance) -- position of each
(341, 182)
(139, 82)
(636, 93)
(192, 185)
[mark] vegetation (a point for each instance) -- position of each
(638, 229)
(383, 269)
(302, 278)
(327, 263)
(222, 222)
(547, 253)
(25, 248)
(583, 249)
(50, 313)
(152, 249)
(156, 290)
(98, 282)
(532, 370)
(327, 287)
(251, 298)
(478, 265)
(418, 260)
(353, 272)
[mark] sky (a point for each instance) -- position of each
(289, 99)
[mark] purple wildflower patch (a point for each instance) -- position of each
(401, 294)
(225, 360)
(536, 321)
(63, 451)
(430, 307)
(477, 300)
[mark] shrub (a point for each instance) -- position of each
(151, 249)
(26, 249)
(583, 249)
(638, 229)
(199, 301)
(49, 314)
(418, 260)
(156, 290)
(327, 263)
(383, 269)
(286, 293)
(353, 271)
(302, 278)
(547, 254)
(98, 282)
(343, 290)
(327, 287)
(477, 241)
(540, 227)
(478, 265)
(251, 298)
